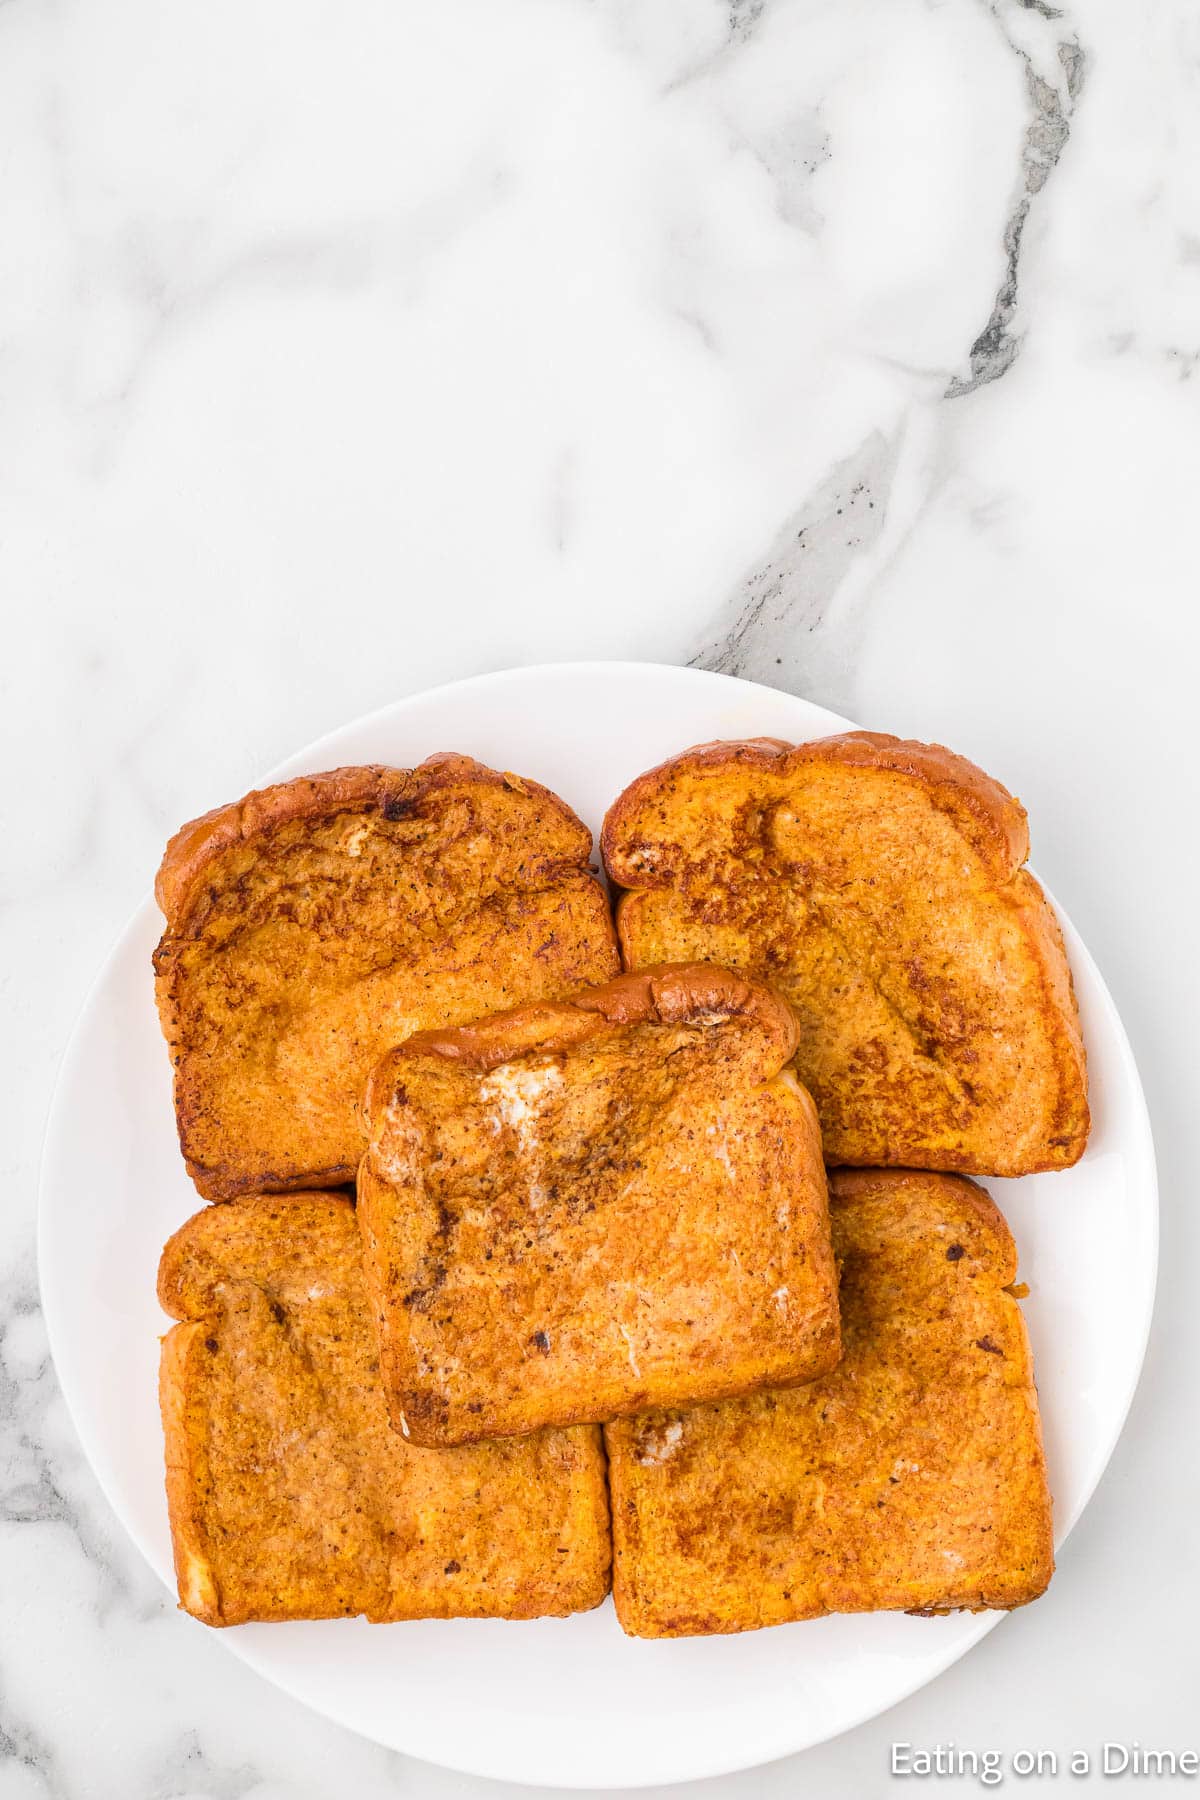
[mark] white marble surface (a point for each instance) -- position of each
(343, 350)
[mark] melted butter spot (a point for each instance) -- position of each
(658, 1443)
(398, 1148)
(520, 1093)
(355, 838)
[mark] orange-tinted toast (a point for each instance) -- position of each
(290, 1495)
(879, 885)
(573, 1211)
(913, 1477)
(315, 924)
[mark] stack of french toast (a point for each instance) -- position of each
(553, 1249)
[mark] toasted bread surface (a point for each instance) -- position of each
(290, 1495)
(577, 1210)
(315, 924)
(912, 1477)
(879, 885)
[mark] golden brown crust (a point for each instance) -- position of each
(315, 923)
(911, 1478)
(671, 994)
(181, 1349)
(987, 813)
(575, 1210)
(289, 1494)
(938, 1023)
(201, 841)
(369, 787)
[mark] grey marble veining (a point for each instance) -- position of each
(777, 627)
(780, 623)
(1055, 69)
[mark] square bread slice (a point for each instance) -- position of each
(313, 925)
(878, 884)
(911, 1478)
(290, 1495)
(579, 1210)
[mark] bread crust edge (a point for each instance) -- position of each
(663, 994)
(195, 1580)
(996, 822)
(352, 788)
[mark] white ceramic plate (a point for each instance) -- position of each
(568, 1702)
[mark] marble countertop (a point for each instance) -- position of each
(847, 346)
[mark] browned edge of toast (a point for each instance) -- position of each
(199, 1593)
(984, 810)
(667, 994)
(847, 1185)
(371, 787)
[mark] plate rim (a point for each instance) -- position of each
(305, 760)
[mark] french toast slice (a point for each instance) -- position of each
(912, 1477)
(314, 924)
(577, 1210)
(879, 885)
(290, 1495)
